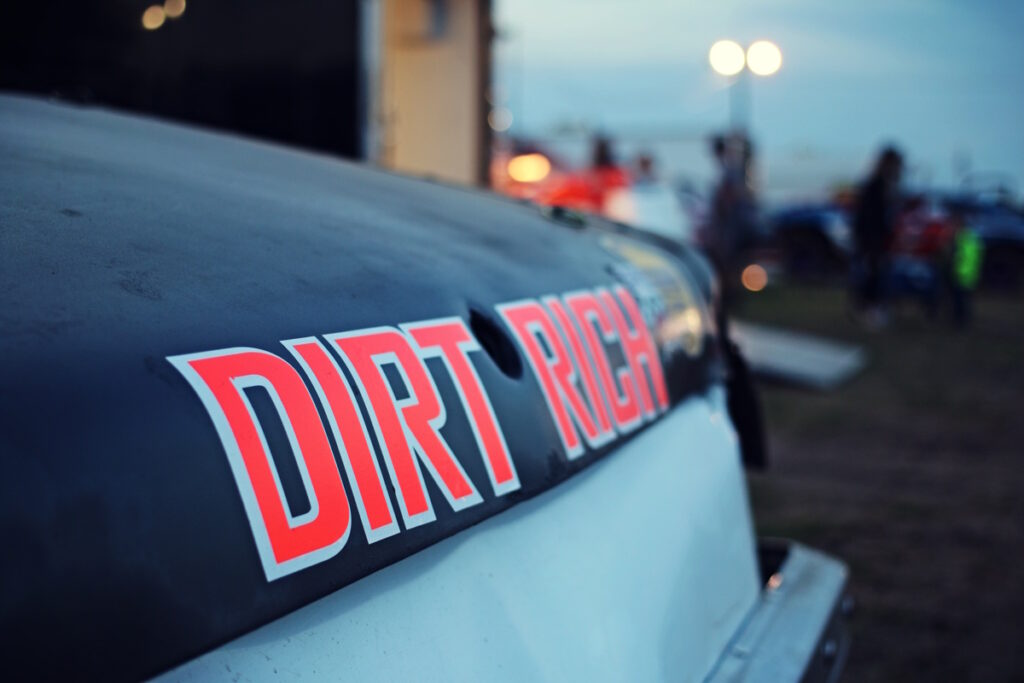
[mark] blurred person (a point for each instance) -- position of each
(605, 174)
(645, 169)
(733, 207)
(873, 227)
(963, 270)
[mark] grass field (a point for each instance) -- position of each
(913, 473)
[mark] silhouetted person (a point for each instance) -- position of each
(602, 155)
(645, 172)
(605, 175)
(733, 207)
(873, 225)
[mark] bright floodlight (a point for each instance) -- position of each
(764, 57)
(726, 57)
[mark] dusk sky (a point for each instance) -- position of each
(942, 79)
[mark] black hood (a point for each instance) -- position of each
(128, 241)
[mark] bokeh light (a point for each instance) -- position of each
(153, 18)
(500, 119)
(764, 57)
(754, 278)
(174, 8)
(529, 168)
(726, 57)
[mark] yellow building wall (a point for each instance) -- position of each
(430, 101)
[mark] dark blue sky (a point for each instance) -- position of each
(944, 79)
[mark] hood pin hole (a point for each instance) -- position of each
(496, 343)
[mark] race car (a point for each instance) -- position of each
(271, 415)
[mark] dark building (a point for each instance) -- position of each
(278, 70)
(357, 78)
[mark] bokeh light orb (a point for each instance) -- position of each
(754, 278)
(153, 18)
(764, 57)
(174, 8)
(499, 119)
(529, 168)
(726, 57)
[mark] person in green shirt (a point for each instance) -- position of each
(965, 260)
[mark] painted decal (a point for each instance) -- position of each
(449, 339)
(602, 432)
(408, 429)
(591, 353)
(350, 435)
(286, 543)
(594, 319)
(555, 371)
(640, 350)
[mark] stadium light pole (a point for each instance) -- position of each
(728, 59)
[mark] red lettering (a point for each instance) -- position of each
(286, 543)
(450, 340)
(565, 340)
(604, 431)
(350, 434)
(407, 429)
(553, 369)
(592, 317)
(640, 350)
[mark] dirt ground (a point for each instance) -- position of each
(913, 473)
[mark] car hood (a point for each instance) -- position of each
(132, 247)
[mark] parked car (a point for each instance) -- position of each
(270, 415)
(929, 219)
(811, 240)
